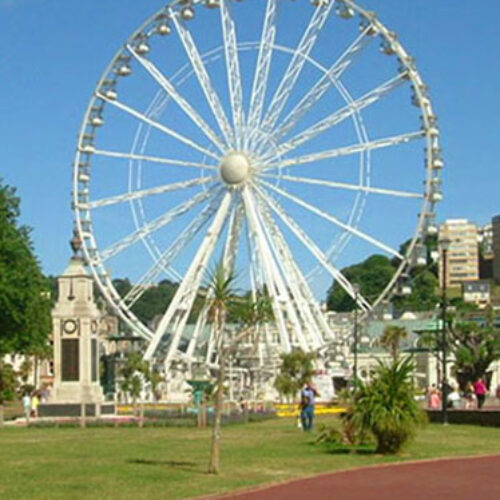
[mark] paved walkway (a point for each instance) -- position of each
(456, 479)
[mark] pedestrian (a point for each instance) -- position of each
(454, 398)
(469, 396)
(35, 403)
(27, 406)
(480, 390)
(435, 400)
(307, 401)
(430, 390)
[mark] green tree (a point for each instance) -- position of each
(297, 368)
(391, 339)
(134, 373)
(221, 295)
(372, 276)
(8, 386)
(475, 346)
(386, 406)
(25, 320)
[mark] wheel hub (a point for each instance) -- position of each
(234, 168)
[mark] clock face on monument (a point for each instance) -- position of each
(70, 326)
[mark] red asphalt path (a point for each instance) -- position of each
(456, 479)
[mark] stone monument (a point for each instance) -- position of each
(75, 336)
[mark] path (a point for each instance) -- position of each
(457, 479)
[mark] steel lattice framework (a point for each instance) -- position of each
(253, 135)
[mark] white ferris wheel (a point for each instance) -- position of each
(282, 138)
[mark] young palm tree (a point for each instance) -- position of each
(391, 339)
(248, 314)
(221, 296)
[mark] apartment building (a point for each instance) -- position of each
(495, 223)
(463, 253)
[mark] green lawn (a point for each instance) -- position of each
(170, 463)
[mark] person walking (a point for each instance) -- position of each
(35, 403)
(480, 390)
(307, 401)
(27, 407)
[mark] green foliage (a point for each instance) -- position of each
(423, 297)
(475, 347)
(372, 276)
(297, 368)
(386, 406)
(134, 372)
(25, 320)
(8, 382)
(391, 339)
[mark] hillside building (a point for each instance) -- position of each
(463, 254)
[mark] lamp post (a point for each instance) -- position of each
(445, 245)
(355, 287)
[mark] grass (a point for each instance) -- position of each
(131, 463)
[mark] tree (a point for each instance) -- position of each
(386, 406)
(8, 386)
(372, 276)
(134, 372)
(25, 320)
(297, 368)
(474, 343)
(221, 295)
(475, 347)
(391, 339)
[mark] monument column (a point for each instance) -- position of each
(75, 320)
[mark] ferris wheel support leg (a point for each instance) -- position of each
(295, 280)
(266, 260)
(286, 285)
(186, 293)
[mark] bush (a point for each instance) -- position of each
(386, 407)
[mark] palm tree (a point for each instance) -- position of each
(248, 313)
(221, 295)
(391, 339)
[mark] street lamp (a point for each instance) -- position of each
(355, 287)
(444, 243)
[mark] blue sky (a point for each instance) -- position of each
(54, 51)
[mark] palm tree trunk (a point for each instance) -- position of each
(214, 465)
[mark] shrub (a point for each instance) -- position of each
(386, 407)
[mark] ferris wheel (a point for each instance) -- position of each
(283, 139)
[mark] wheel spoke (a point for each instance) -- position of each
(178, 311)
(203, 77)
(157, 125)
(348, 150)
(294, 69)
(313, 248)
(168, 86)
(334, 220)
(156, 224)
(346, 185)
(135, 195)
(261, 77)
(171, 253)
(323, 84)
(233, 71)
(339, 116)
(153, 159)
